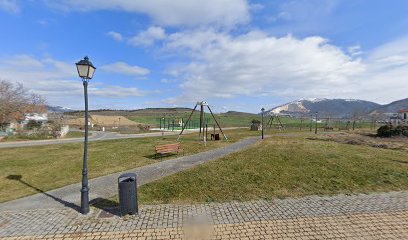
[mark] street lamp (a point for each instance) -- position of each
(262, 109)
(85, 71)
(316, 123)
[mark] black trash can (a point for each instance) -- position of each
(128, 193)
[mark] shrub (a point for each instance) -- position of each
(32, 124)
(390, 130)
(255, 122)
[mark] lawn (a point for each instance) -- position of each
(53, 166)
(285, 167)
(15, 138)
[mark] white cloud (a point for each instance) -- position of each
(115, 36)
(257, 64)
(354, 50)
(57, 80)
(169, 13)
(124, 68)
(148, 37)
(9, 6)
(385, 79)
(225, 66)
(166, 80)
(117, 92)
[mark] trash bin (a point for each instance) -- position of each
(128, 193)
(217, 137)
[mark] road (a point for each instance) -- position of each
(95, 136)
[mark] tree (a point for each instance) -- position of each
(16, 102)
(255, 122)
(32, 124)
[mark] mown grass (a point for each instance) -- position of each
(15, 138)
(244, 120)
(74, 134)
(52, 166)
(284, 167)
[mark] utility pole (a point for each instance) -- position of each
(316, 123)
(262, 121)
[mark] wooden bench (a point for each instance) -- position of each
(168, 148)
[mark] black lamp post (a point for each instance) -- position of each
(262, 109)
(85, 71)
(316, 123)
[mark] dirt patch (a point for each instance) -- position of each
(105, 121)
(398, 143)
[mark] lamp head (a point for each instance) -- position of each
(85, 69)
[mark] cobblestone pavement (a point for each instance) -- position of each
(372, 216)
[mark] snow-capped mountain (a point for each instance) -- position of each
(58, 109)
(336, 108)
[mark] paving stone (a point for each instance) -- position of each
(371, 216)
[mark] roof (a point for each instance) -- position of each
(403, 110)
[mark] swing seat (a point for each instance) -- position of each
(215, 136)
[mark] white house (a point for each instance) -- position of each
(38, 117)
(400, 118)
(403, 115)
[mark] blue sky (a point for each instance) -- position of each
(235, 54)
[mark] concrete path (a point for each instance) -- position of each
(106, 186)
(372, 216)
(96, 136)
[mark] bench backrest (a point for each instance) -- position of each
(171, 146)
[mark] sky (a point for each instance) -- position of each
(237, 55)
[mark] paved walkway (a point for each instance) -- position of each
(96, 136)
(106, 186)
(373, 216)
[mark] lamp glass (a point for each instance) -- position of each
(83, 70)
(91, 72)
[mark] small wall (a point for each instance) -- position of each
(64, 131)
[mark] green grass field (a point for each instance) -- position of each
(229, 119)
(53, 166)
(14, 138)
(284, 167)
(244, 120)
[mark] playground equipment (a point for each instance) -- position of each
(203, 122)
(274, 117)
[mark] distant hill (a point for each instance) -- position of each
(137, 112)
(390, 108)
(236, 113)
(336, 108)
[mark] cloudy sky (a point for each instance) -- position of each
(236, 54)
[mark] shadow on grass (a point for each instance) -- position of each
(18, 178)
(160, 156)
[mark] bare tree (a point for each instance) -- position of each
(16, 102)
